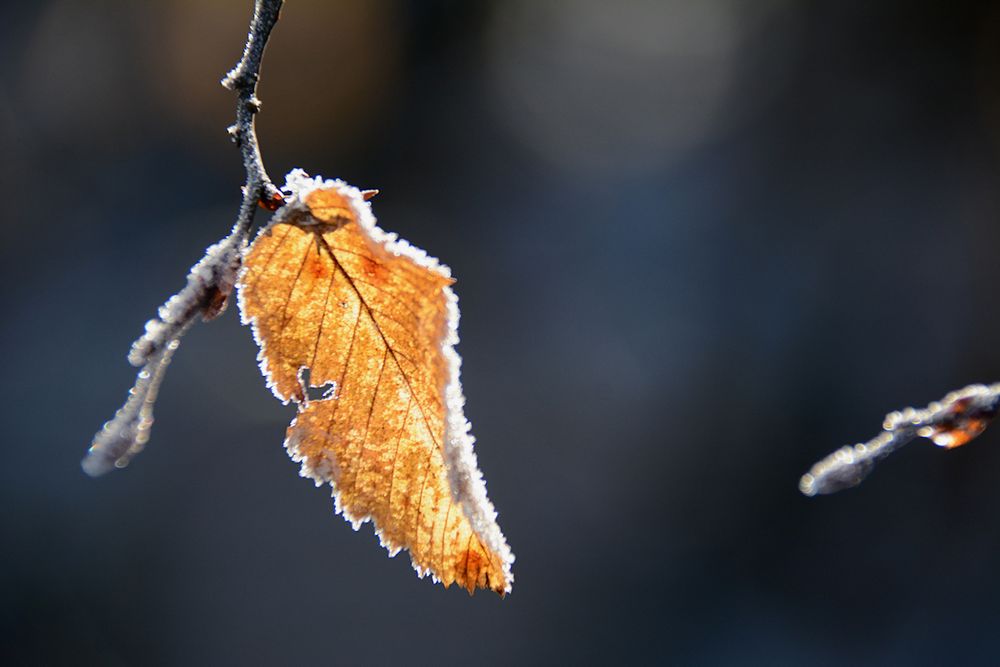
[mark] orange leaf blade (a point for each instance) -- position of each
(374, 321)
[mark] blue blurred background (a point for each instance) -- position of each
(699, 245)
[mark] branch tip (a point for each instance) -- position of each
(951, 422)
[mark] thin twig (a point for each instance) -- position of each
(951, 422)
(210, 280)
(242, 79)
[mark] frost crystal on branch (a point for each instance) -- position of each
(205, 295)
(951, 422)
(207, 290)
(127, 433)
(209, 282)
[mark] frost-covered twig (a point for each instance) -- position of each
(210, 280)
(951, 422)
(126, 434)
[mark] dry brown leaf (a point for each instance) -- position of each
(335, 303)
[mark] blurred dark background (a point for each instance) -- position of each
(699, 245)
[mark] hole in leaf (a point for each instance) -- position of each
(316, 392)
